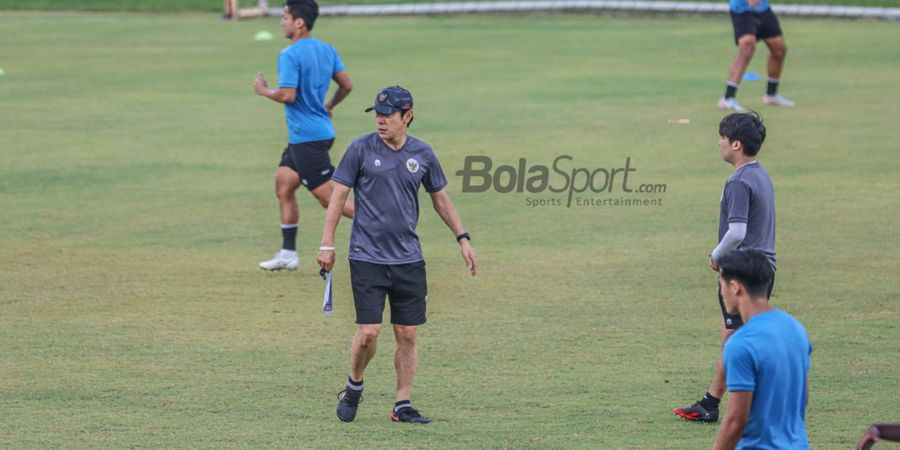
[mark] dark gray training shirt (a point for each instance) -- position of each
(749, 197)
(385, 186)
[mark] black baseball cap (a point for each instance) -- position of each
(392, 99)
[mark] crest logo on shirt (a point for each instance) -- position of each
(377, 163)
(412, 165)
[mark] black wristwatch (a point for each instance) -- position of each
(464, 236)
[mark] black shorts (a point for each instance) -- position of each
(403, 284)
(762, 25)
(311, 162)
(734, 321)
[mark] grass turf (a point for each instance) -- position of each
(217, 6)
(136, 188)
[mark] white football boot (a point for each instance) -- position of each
(732, 104)
(777, 100)
(284, 259)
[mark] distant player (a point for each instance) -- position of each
(766, 362)
(746, 221)
(305, 69)
(385, 170)
(878, 432)
(754, 20)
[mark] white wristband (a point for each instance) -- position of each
(326, 249)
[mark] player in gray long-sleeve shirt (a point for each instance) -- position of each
(746, 221)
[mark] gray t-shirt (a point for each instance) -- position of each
(385, 186)
(749, 197)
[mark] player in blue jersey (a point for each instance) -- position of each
(385, 170)
(305, 70)
(766, 362)
(746, 221)
(754, 20)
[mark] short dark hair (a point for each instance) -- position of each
(308, 10)
(747, 128)
(403, 113)
(751, 268)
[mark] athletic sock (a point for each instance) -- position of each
(289, 236)
(354, 385)
(731, 89)
(709, 402)
(772, 87)
(402, 404)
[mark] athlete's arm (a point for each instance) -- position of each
(736, 233)
(444, 207)
(280, 95)
(888, 432)
(332, 216)
(344, 87)
(735, 420)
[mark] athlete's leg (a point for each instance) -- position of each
(322, 193)
(406, 358)
(777, 53)
(717, 386)
(286, 183)
(363, 349)
(746, 47)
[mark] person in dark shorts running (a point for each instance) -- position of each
(753, 20)
(305, 69)
(385, 170)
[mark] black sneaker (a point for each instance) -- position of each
(348, 402)
(697, 412)
(408, 414)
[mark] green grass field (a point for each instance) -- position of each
(216, 5)
(136, 195)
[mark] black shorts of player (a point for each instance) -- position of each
(734, 321)
(762, 25)
(311, 162)
(403, 284)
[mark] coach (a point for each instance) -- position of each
(385, 169)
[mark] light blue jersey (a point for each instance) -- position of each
(308, 66)
(769, 356)
(742, 6)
